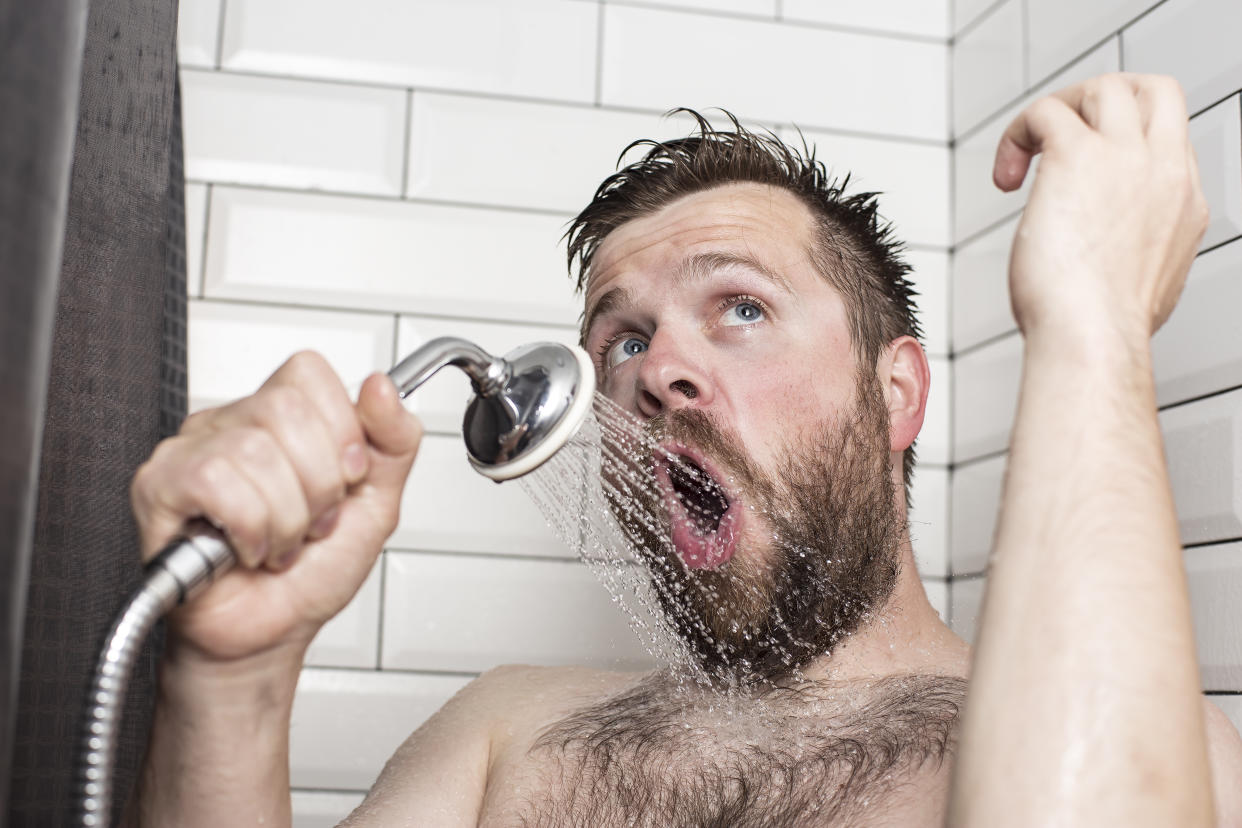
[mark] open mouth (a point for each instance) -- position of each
(704, 524)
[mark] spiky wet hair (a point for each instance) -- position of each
(856, 250)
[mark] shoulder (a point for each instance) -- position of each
(1225, 758)
(543, 692)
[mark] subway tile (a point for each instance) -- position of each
(966, 600)
(448, 506)
(1203, 444)
(931, 280)
(243, 129)
(976, 499)
(234, 348)
(346, 723)
(1232, 707)
(1195, 41)
(967, 12)
(323, 809)
(389, 256)
(933, 441)
(195, 232)
(980, 302)
(351, 638)
(1198, 350)
(1060, 30)
(912, 180)
(553, 157)
(987, 66)
(646, 64)
(915, 17)
(537, 48)
(441, 402)
(977, 202)
(1215, 577)
(756, 8)
(985, 398)
(198, 32)
(929, 520)
(469, 613)
(1217, 138)
(938, 594)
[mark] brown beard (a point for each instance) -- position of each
(832, 561)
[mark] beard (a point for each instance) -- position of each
(831, 559)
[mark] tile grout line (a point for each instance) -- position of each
(600, 11)
(406, 145)
(220, 35)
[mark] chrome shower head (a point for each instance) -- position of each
(527, 405)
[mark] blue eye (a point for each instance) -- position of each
(623, 349)
(743, 313)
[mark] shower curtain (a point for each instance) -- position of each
(93, 362)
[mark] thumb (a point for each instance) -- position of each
(391, 431)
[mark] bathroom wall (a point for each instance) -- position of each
(365, 176)
(1005, 55)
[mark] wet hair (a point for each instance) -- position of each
(855, 249)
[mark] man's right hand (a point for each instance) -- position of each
(305, 484)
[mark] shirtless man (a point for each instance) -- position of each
(764, 321)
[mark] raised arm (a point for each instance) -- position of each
(1084, 705)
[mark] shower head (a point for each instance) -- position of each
(526, 405)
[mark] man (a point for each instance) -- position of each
(760, 322)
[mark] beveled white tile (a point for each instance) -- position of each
(195, 228)
(987, 66)
(537, 48)
(469, 613)
(931, 279)
(346, 723)
(980, 301)
(233, 348)
(917, 17)
(985, 398)
(977, 202)
(1198, 350)
(243, 129)
(323, 809)
(448, 506)
(912, 179)
(198, 32)
(441, 402)
(1203, 444)
(1195, 41)
(933, 441)
(389, 256)
(938, 594)
(1060, 30)
(1215, 577)
(966, 12)
(757, 8)
(966, 599)
(351, 638)
(976, 498)
(929, 520)
(1217, 138)
(646, 64)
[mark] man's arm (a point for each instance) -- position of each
(1084, 705)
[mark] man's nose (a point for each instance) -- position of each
(671, 377)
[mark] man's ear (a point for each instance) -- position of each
(905, 378)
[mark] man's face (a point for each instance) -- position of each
(709, 320)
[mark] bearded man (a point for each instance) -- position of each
(759, 320)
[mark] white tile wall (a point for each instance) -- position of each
(1217, 138)
(646, 64)
(1061, 30)
(933, 442)
(233, 347)
(968, 12)
(987, 66)
(1193, 40)
(469, 613)
(386, 255)
(198, 32)
(930, 274)
(1231, 705)
(938, 595)
(537, 48)
(757, 8)
(966, 598)
(1198, 350)
(1215, 577)
(976, 504)
(980, 303)
(346, 723)
(929, 18)
(985, 398)
(292, 133)
(929, 525)
(1203, 443)
(912, 179)
(195, 234)
(322, 809)
(351, 638)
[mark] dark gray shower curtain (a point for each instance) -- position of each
(90, 189)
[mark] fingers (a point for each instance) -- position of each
(393, 432)
(1034, 131)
